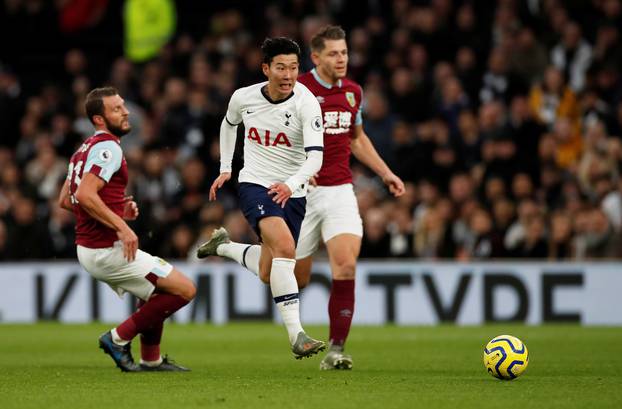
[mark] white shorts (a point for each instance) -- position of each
(110, 266)
(331, 210)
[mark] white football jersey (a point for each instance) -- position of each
(277, 134)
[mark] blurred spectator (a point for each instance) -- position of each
(28, 232)
(485, 243)
(401, 230)
(528, 209)
(573, 56)
(535, 243)
(503, 213)
(376, 240)
(379, 123)
(560, 238)
(433, 235)
(526, 132)
(528, 60)
(499, 84)
(596, 236)
(45, 169)
(61, 226)
(552, 99)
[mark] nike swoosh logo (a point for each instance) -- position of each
(289, 297)
(249, 112)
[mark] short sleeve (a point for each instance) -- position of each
(358, 120)
(234, 114)
(312, 125)
(104, 159)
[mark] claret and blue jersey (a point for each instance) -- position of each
(102, 156)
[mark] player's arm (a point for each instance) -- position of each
(313, 140)
(228, 135)
(89, 199)
(64, 198)
(103, 161)
(364, 151)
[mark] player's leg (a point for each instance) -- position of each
(303, 271)
(151, 359)
(150, 342)
(342, 231)
(277, 237)
(104, 264)
(248, 255)
(265, 264)
(343, 250)
(255, 204)
(141, 277)
(309, 238)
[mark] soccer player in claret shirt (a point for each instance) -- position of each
(108, 248)
(332, 210)
(283, 148)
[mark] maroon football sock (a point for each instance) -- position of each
(340, 310)
(150, 340)
(151, 315)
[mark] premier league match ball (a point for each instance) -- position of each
(506, 357)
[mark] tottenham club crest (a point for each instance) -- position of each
(287, 117)
(351, 99)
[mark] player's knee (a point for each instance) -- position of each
(344, 270)
(188, 292)
(185, 288)
(284, 250)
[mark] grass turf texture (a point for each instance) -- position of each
(249, 366)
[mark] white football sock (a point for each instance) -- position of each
(285, 293)
(151, 363)
(245, 254)
(117, 339)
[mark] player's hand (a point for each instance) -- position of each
(280, 192)
(313, 180)
(394, 183)
(220, 180)
(130, 208)
(130, 243)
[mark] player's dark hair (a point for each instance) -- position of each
(272, 47)
(94, 103)
(326, 33)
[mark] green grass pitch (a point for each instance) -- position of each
(249, 366)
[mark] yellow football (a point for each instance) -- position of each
(506, 357)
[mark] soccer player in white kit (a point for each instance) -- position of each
(283, 149)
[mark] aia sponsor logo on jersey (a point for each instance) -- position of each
(266, 139)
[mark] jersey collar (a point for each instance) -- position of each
(264, 92)
(322, 82)
(100, 132)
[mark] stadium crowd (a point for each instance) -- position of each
(504, 118)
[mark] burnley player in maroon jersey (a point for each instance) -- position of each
(108, 248)
(332, 211)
